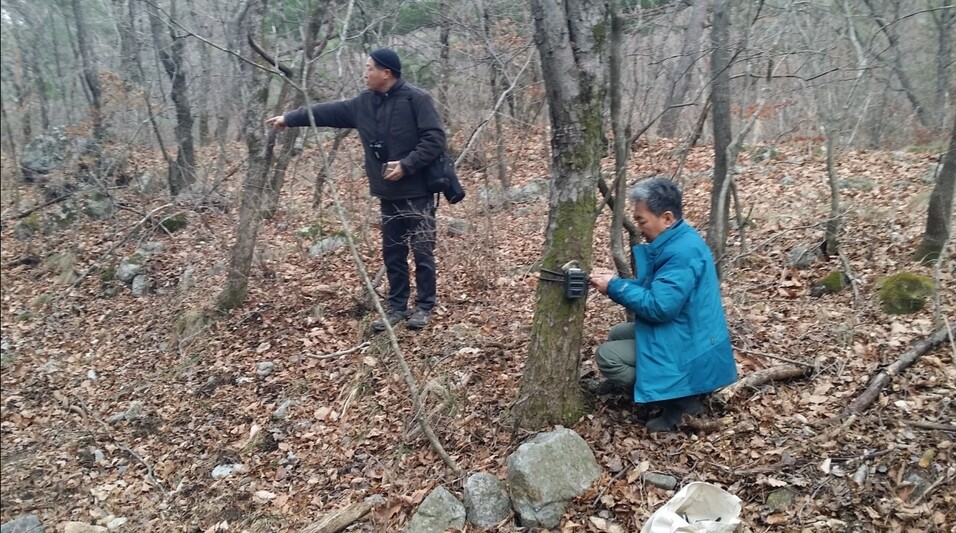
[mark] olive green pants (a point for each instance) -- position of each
(616, 357)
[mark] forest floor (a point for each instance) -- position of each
(115, 406)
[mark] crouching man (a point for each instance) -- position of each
(678, 347)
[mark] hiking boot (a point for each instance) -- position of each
(393, 317)
(418, 320)
(671, 413)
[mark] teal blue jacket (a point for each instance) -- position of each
(683, 344)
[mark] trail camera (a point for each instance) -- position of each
(575, 280)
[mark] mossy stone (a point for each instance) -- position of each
(904, 293)
(174, 223)
(834, 281)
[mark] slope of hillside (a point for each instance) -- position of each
(116, 406)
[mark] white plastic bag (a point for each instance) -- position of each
(698, 507)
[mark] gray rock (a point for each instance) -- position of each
(23, 524)
(327, 245)
(140, 285)
(486, 500)
(82, 527)
(226, 470)
(45, 153)
(438, 512)
(534, 190)
(283, 410)
(663, 481)
(780, 498)
(25, 229)
(265, 368)
(458, 227)
(148, 182)
(99, 208)
(546, 472)
(150, 248)
(787, 181)
(130, 267)
(803, 257)
(187, 280)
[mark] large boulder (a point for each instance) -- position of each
(486, 500)
(903, 293)
(438, 512)
(546, 472)
(45, 153)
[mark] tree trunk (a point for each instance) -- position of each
(622, 146)
(261, 153)
(570, 36)
(944, 19)
(720, 105)
(680, 75)
(496, 90)
(90, 75)
(182, 173)
(832, 242)
(939, 219)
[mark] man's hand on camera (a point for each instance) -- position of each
(600, 277)
(278, 123)
(393, 171)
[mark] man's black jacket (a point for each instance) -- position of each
(415, 136)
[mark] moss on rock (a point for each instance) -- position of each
(174, 223)
(903, 293)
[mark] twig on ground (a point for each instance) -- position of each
(945, 478)
(362, 346)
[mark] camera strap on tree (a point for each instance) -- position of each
(575, 280)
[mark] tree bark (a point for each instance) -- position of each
(939, 218)
(720, 107)
(571, 39)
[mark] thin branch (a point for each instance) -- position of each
(362, 346)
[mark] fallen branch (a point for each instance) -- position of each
(340, 353)
(762, 377)
(29, 212)
(343, 518)
(932, 425)
(884, 377)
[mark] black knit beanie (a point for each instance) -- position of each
(387, 58)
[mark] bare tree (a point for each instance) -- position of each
(939, 218)
(182, 171)
(570, 36)
(720, 107)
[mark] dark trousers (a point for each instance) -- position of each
(408, 224)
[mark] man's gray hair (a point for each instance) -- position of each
(659, 194)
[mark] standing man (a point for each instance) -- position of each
(401, 133)
(678, 347)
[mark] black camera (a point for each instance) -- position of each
(379, 150)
